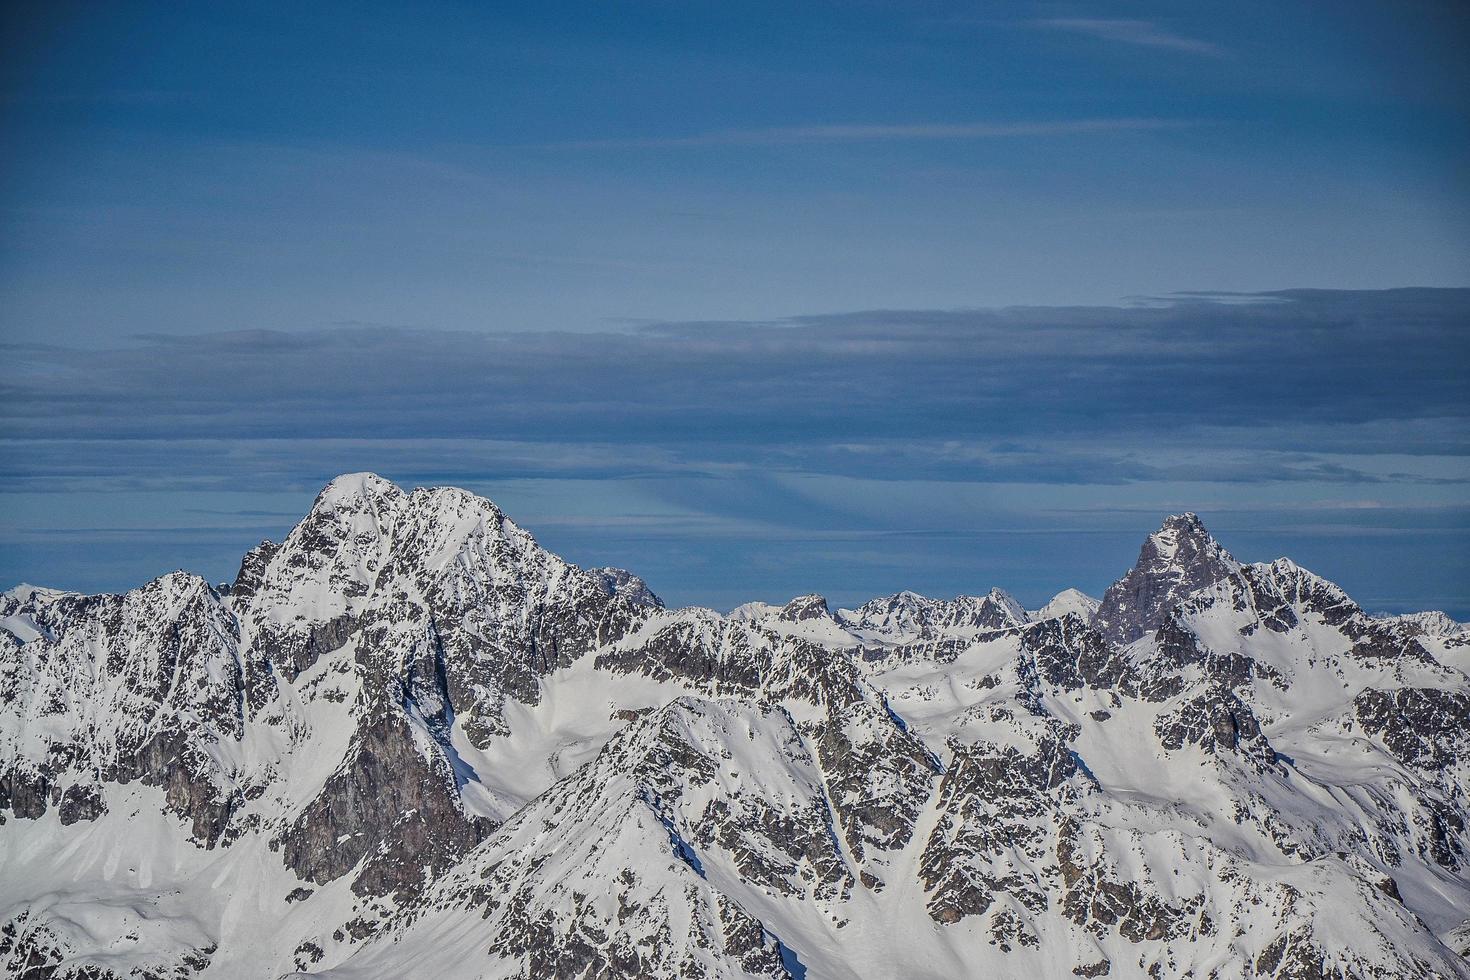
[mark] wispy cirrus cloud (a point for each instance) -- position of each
(1142, 33)
(115, 96)
(878, 132)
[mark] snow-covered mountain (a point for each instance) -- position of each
(407, 741)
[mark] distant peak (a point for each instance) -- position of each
(1008, 605)
(805, 607)
(620, 581)
(1285, 566)
(1068, 601)
(748, 612)
(1432, 622)
(25, 592)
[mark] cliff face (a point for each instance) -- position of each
(408, 741)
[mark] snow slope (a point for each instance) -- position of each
(408, 741)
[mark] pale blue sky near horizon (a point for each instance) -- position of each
(754, 299)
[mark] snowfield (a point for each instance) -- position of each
(407, 741)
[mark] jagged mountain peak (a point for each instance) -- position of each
(805, 607)
(1176, 561)
(620, 581)
(362, 527)
(1183, 538)
(1433, 622)
(179, 582)
(907, 617)
(1184, 521)
(252, 568)
(1006, 605)
(367, 501)
(414, 742)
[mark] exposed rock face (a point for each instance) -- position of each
(388, 809)
(805, 607)
(252, 570)
(999, 807)
(638, 820)
(1177, 560)
(1215, 720)
(1425, 728)
(136, 687)
(408, 741)
(619, 581)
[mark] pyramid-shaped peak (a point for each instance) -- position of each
(805, 607)
(1003, 606)
(1176, 561)
(1182, 539)
(1181, 534)
(1187, 523)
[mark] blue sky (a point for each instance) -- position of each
(751, 299)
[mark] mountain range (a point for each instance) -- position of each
(408, 741)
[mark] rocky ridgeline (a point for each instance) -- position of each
(408, 741)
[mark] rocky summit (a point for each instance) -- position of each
(407, 741)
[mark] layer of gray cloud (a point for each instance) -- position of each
(1279, 374)
(840, 434)
(1258, 369)
(690, 449)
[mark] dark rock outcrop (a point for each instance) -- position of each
(1177, 560)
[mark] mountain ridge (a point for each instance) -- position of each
(389, 724)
